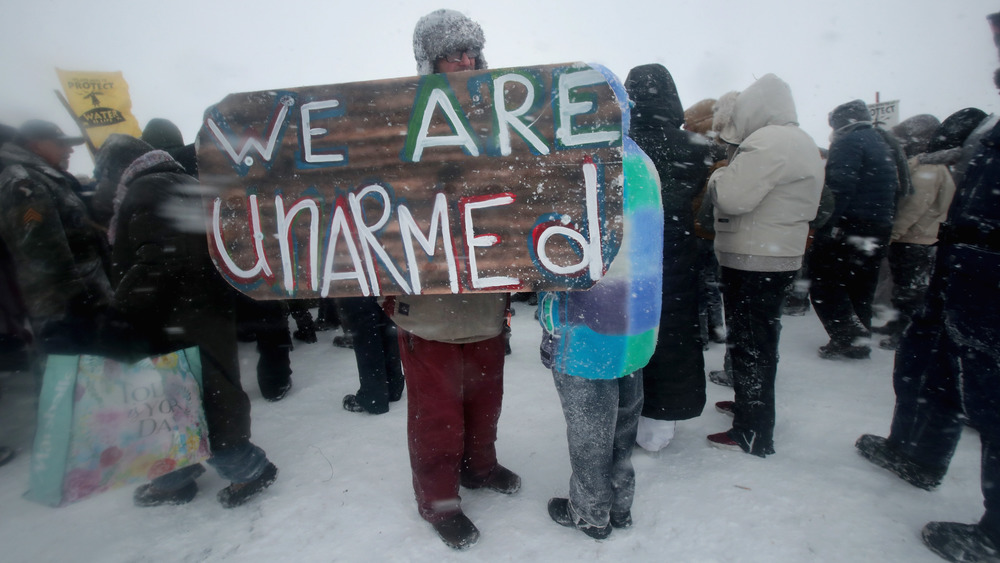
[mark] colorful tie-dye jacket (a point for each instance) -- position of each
(609, 331)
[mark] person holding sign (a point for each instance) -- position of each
(452, 348)
(597, 342)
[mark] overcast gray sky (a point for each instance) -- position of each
(182, 56)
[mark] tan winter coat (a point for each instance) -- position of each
(919, 215)
(771, 189)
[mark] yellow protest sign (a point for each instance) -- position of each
(100, 104)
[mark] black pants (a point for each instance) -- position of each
(268, 320)
(911, 270)
(947, 371)
(376, 350)
(753, 303)
(844, 270)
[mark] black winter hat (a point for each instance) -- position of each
(955, 129)
(915, 132)
(162, 134)
(851, 112)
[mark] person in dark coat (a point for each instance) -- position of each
(947, 371)
(674, 379)
(59, 252)
(15, 338)
(861, 174)
(266, 320)
(169, 294)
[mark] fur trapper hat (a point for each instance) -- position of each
(441, 32)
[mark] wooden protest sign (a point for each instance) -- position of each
(480, 181)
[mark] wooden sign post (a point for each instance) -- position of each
(481, 181)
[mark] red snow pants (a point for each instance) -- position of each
(453, 394)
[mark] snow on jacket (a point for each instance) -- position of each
(920, 214)
(674, 379)
(610, 330)
(771, 189)
(967, 270)
(860, 171)
(58, 251)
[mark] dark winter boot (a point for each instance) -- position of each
(621, 520)
(307, 335)
(720, 377)
(501, 480)
(148, 495)
(345, 340)
(877, 450)
(559, 512)
(838, 351)
(458, 531)
(964, 543)
(240, 493)
(305, 327)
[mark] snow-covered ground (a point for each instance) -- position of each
(344, 493)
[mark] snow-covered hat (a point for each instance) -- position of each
(441, 32)
(855, 111)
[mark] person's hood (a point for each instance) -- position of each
(115, 155)
(955, 129)
(915, 132)
(722, 111)
(657, 103)
(442, 31)
(768, 101)
(162, 134)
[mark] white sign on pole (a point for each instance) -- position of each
(885, 114)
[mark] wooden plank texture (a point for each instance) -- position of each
(481, 181)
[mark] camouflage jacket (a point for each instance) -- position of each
(59, 253)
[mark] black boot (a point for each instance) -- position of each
(877, 450)
(559, 512)
(839, 351)
(959, 542)
(240, 493)
(148, 495)
(501, 480)
(458, 531)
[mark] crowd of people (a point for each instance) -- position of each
(733, 216)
